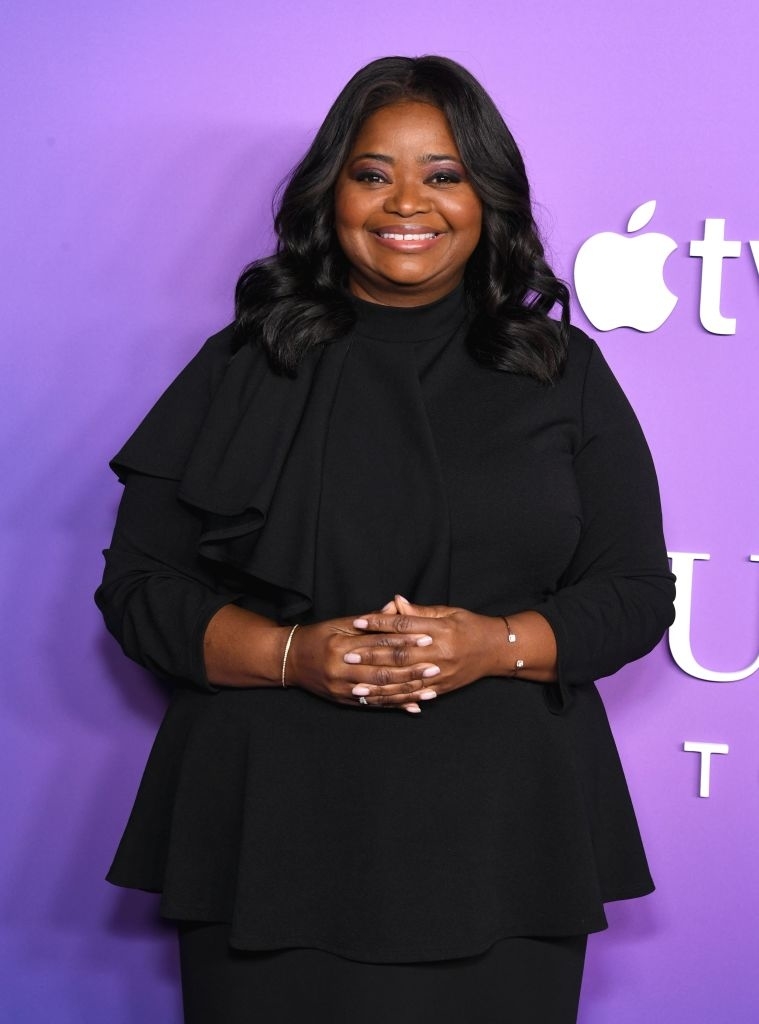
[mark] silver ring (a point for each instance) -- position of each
(363, 700)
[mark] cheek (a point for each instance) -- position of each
(350, 217)
(343, 207)
(345, 229)
(352, 244)
(471, 233)
(467, 219)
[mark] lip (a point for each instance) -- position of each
(407, 238)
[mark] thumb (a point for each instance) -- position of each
(430, 611)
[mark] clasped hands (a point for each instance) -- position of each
(398, 657)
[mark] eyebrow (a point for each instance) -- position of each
(426, 158)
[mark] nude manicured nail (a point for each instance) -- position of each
(360, 623)
(433, 670)
(424, 641)
(413, 709)
(361, 691)
(352, 658)
(428, 695)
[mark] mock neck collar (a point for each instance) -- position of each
(410, 323)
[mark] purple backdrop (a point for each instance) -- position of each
(141, 145)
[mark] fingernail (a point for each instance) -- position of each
(433, 670)
(389, 607)
(352, 658)
(402, 598)
(428, 694)
(413, 709)
(361, 691)
(424, 641)
(360, 623)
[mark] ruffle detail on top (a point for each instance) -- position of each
(245, 444)
(253, 450)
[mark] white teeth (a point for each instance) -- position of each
(407, 237)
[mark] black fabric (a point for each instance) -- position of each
(393, 463)
(517, 981)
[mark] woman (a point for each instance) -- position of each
(390, 808)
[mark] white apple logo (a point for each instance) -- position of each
(619, 280)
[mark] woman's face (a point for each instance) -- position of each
(406, 216)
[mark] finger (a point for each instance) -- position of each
(432, 611)
(392, 682)
(382, 699)
(386, 684)
(397, 657)
(400, 652)
(385, 640)
(411, 706)
(378, 623)
(400, 702)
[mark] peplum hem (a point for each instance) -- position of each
(234, 823)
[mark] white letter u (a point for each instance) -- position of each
(679, 631)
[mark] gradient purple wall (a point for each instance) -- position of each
(140, 147)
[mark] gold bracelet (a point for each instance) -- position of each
(287, 651)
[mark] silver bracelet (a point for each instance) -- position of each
(511, 638)
(287, 651)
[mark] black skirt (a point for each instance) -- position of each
(517, 981)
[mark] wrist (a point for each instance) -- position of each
(494, 647)
(527, 647)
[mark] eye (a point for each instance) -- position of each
(371, 177)
(445, 178)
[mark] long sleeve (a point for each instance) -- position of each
(219, 482)
(199, 473)
(616, 596)
(156, 596)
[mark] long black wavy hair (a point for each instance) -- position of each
(296, 299)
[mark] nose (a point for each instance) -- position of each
(406, 198)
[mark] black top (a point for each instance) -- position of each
(393, 463)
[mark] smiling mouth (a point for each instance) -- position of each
(407, 236)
